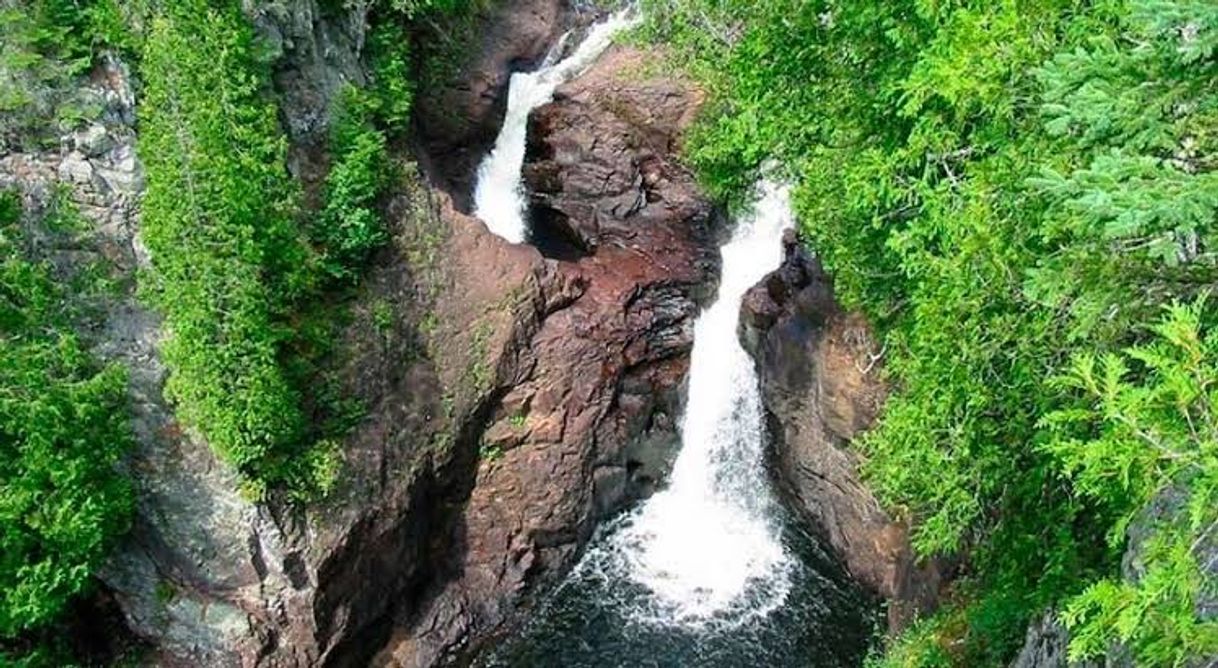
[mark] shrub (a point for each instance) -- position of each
(64, 425)
(349, 227)
(228, 259)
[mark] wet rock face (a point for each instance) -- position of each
(583, 417)
(820, 386)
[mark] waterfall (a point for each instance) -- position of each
(499, 197)
(711, 570)
(708, 547)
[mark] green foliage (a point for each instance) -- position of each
(63, 428)
(415, 8)
(228, 258)
(1130, 445)
(391, 95)
(998, 185)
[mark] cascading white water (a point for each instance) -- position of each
(710, 571)
(709, 546)
(499, 197)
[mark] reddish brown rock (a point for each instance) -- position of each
(599, 164)
(582, 416)
(820, 386)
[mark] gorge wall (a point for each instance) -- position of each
(512, 399)
(581, 412)
(819, 368)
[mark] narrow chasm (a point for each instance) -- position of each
(681, 555)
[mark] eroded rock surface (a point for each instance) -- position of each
(599, 160)
(584, 413)
(820, 386)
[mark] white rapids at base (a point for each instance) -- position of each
(499, 196)
(708, 547)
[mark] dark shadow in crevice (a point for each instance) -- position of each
(551, 234)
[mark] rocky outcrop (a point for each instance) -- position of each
(582, 417)
(211, 578)
(511, 399)
(820, 387)
(599, 160)
(316, 47)
(208, 577)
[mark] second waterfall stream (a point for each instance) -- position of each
(710, 570)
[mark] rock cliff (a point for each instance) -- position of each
(820, 385)
(514, 396)
(583, 398)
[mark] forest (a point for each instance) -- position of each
(1021, 196)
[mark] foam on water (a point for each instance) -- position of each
(499, 196)
(708, 547)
